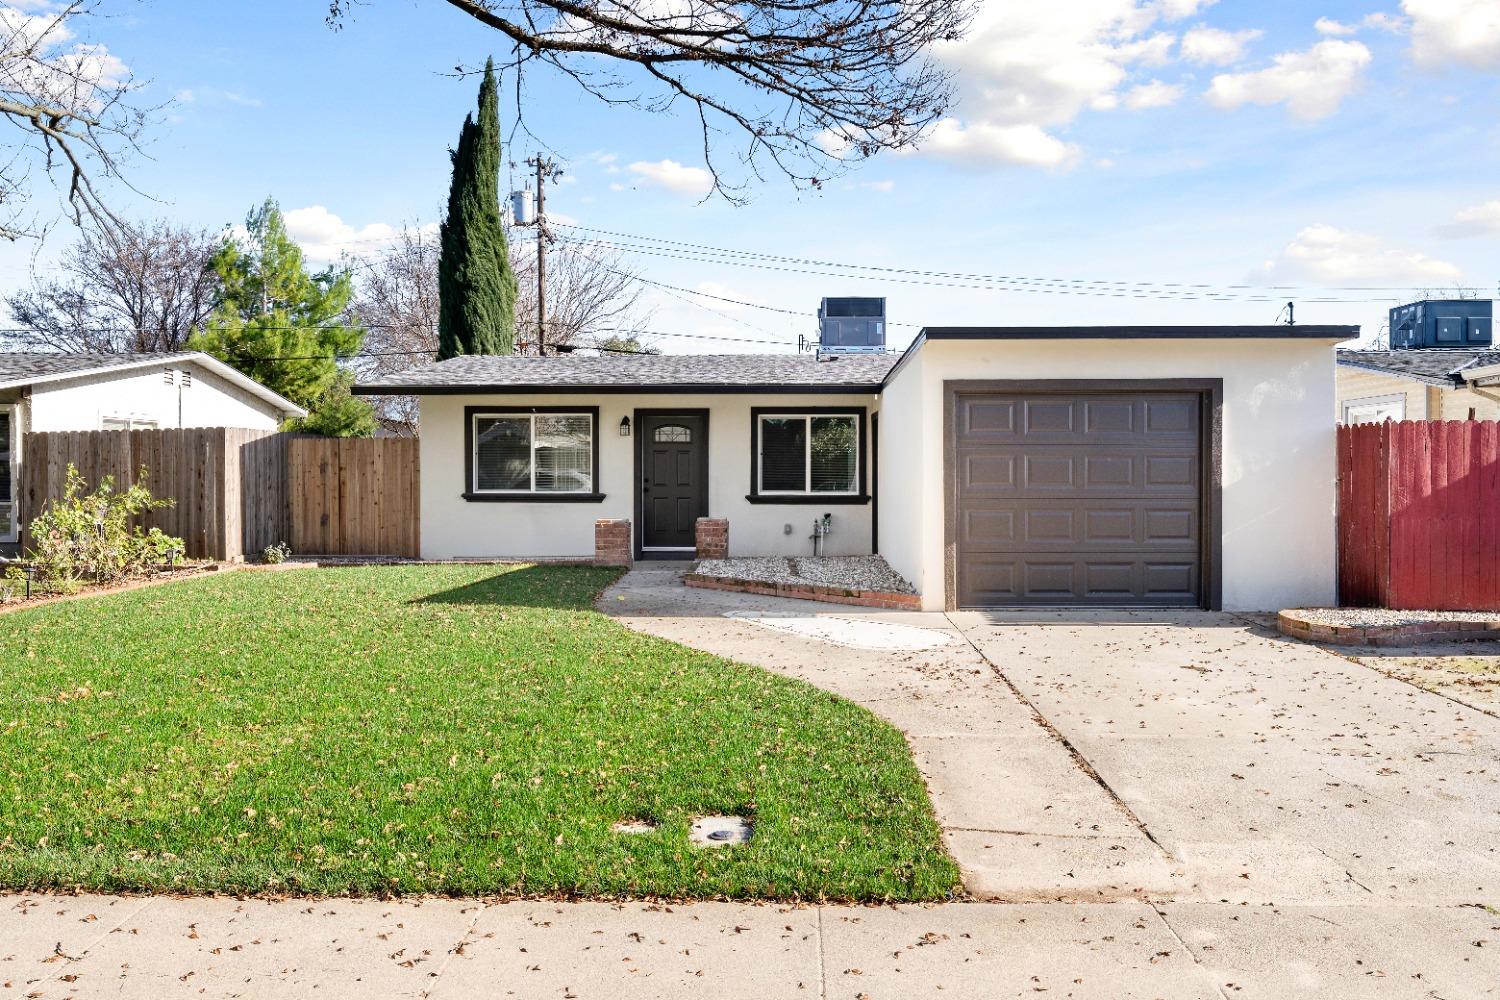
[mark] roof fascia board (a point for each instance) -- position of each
(1483, 374)
(1311, 332)
(643, 388)
(207, 361)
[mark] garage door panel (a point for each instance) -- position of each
(1087, 419)
(1105, 579)
(1079, 525)
(1088, 498)
(1024, 473)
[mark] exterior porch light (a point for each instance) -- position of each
(624, 427)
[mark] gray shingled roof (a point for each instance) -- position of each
(574, 372)
(17, 368)
(1435, 366)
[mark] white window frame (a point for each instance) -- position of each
(531, 416)
(14, 533)
(1398, 399)
(760, 454)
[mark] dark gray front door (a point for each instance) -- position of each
(1078, 498)
(674, 478)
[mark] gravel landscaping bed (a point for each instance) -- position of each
(848, 572)
(1383, 618)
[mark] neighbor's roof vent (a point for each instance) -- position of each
(851, 326)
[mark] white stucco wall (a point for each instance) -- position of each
(454, 527)
(1279, 451)
(83, 404)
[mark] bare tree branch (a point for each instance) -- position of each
(809, 85)
(591, 296)
(72, 102)
(133, 288)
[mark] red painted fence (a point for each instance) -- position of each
(1419, 515)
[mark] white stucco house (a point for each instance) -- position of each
(91, 392)
(992, 467)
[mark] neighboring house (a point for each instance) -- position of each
(992, 467)
(1437, 369)
(91, 392)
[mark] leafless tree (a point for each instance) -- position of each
(806, 84)
(145, 287)
(396, 299)
(72, 102)
(591, 296)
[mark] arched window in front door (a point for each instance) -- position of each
(672, 433)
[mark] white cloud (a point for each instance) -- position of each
(1382, 21)
(1448, 31)
(1311, 84)
(324, 237)
(722, 293)
(47, 62)
(1027, 68)
(1154, 94)
(884, 187)
(1216, 47)
(1329, 256)
(1476, 220)
(669, 175)
(1328, 26)
(984, 143)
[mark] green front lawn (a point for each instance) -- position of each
(442, 729)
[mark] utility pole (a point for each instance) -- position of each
(545, 170)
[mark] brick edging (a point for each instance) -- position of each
(808, 592)
(1388, 635)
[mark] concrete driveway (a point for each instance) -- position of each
(1238, 782)
(1171, 756)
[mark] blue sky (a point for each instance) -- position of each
(1319, 145)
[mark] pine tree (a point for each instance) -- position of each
(286, 328)
(476, 286)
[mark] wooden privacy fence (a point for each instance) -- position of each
(238, 491)
(229, 483)
(1419, 515)
(354, 496)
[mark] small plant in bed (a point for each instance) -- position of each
(431, 729)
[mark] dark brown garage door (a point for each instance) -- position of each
(1077, 498)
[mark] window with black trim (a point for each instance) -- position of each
(532, 453)
(808, 454)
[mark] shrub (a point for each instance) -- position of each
(90, 536)
(273, 554)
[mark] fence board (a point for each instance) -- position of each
(354, 497)
(1417, 522)
(202, 469)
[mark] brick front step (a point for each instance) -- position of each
(1412, 634)
(808, 592)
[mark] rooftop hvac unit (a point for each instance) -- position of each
(851, 326)
(1442, 323)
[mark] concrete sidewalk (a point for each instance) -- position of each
(161, 948)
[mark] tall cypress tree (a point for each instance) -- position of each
(476, 286)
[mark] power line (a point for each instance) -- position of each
(999, 285)
(1107, 284)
